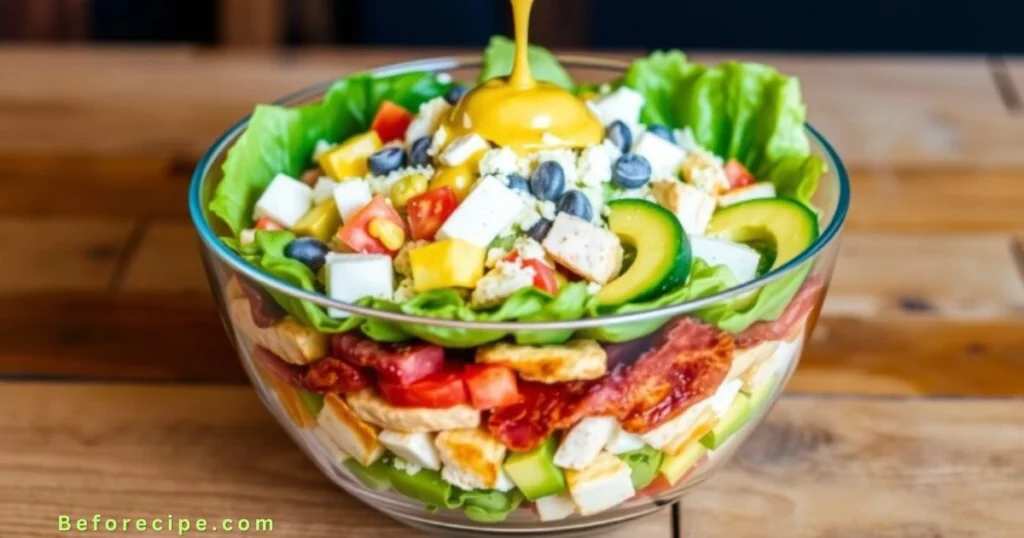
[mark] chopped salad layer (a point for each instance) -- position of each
(702, 181)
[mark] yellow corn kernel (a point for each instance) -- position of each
(349, 159)
(406, 188)
(446, 264)
(388, 233)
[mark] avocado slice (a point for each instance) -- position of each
(663, 254)
(535, 473)
(763, 393)
(733, 420)
(781, 227)
(674, 468)
(643, 465)
(374, 477)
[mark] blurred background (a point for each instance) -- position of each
(804, 25)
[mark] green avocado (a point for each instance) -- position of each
(643, 465)
(374, 477)
(663, 254)
(673, 468)
(780, 226)
(734, 419)
(535, 473)
(763, 393)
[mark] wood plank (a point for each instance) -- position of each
(167, 260)
(251, 23)
(903, 111)
(59, 254)
(1015, 69)
(846, 467)
(142, 447)
(953, 276)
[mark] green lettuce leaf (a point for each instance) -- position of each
(489, 506)
(746, 111)
(704, 280)
(768, 303)
(281, 139)
(500, 55)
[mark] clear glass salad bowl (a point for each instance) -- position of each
(223, 265)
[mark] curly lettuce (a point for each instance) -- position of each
(281, 139)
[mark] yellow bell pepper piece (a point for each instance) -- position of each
(321, 222)
(349, 159)
(451, 263)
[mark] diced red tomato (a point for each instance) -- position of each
(491, 386)
(266, 223)
(391, 121)
(336, 376)
(355, 232)
(543, 274)
(738, 174)
(428, 211)
(439, 390)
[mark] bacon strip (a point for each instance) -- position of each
(686, 366)
(336, 376)
(402, 364)
(794, 315)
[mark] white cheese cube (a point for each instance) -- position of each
(692, 206)
(603, 484)
(354, 436)
(584, 441)
(285, 201)
(472, 458)
(623, 104)
(351, 277)
(741, 260)
(622, 441)
(462, 148)
(594, 166)
(757, 191)
(427, 119)
(337, 453)
(706, 172)
(686, 140)
(350, 196)
(324, 189)
(415, 448)
(247, 236)
(665, 157)
(585, 249)
(488, 209)
(554, 507)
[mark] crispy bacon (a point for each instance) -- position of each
(687, 365)
(793, 316)
(402, 364)
(336, 376)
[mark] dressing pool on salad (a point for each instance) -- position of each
(525, 197)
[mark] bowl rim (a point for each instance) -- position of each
(441, 64)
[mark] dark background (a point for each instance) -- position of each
(979, 26)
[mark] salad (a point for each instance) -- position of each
(408, 194)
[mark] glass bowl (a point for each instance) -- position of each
(226, 271)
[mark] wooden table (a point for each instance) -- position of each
(123, 398)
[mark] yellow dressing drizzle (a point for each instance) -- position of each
(520, 112)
